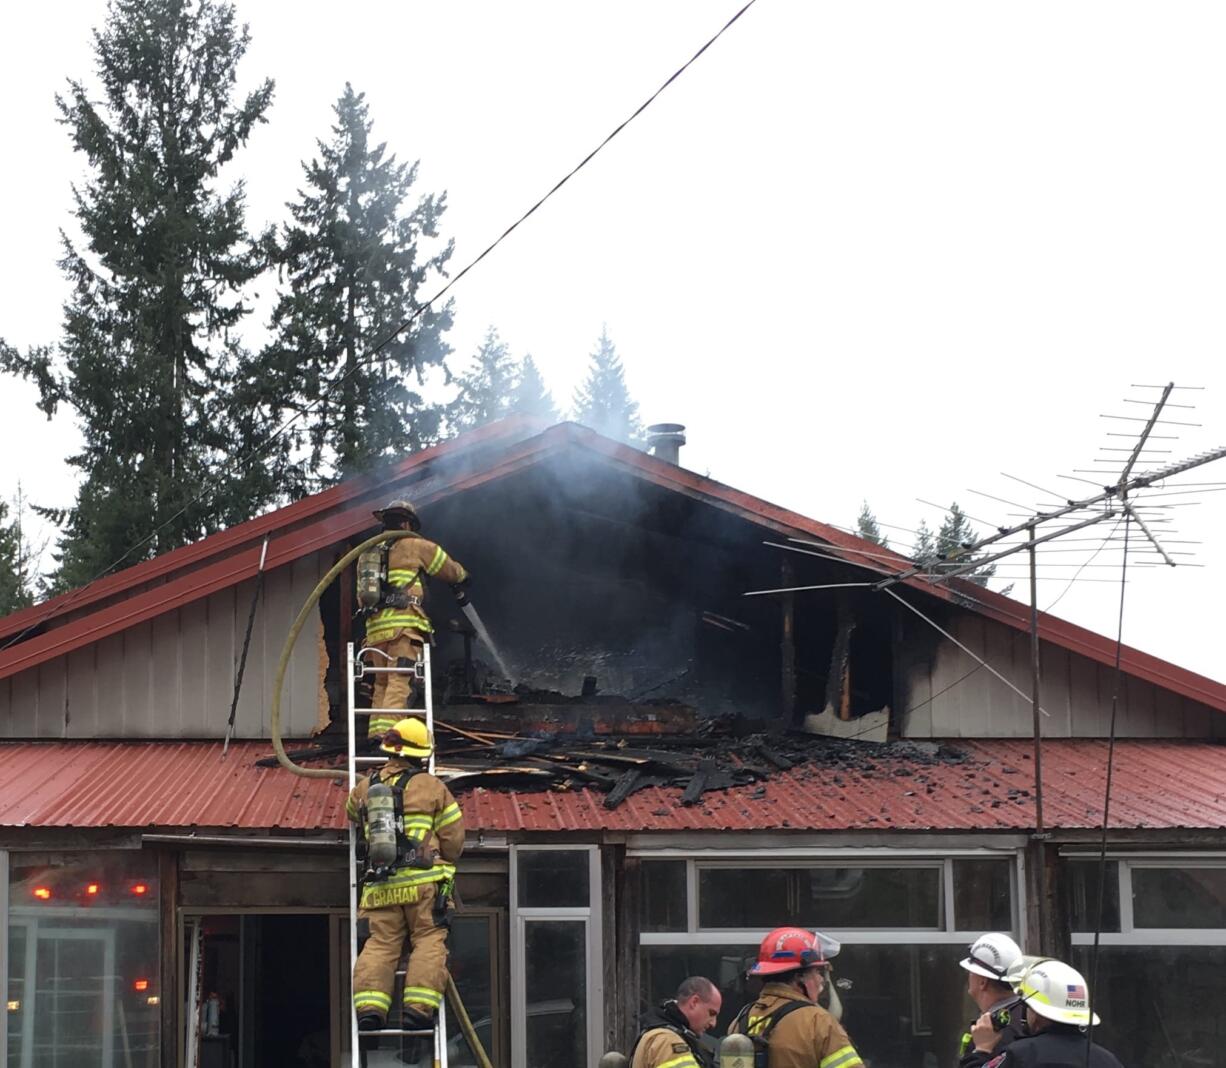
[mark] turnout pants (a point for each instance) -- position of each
(426, 978)
(392, 690)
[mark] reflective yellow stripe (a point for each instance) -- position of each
(373, 997)
(422, 995)
(840, 1058)
(400, 888)
(351, 809)
(685, 1061)
(398, 576)
(757, 1024)
(386, 623)
(436, 564)
(380, 725)
(448, 816)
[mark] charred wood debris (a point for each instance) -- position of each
(545, 741)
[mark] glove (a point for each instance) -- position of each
(460, 589)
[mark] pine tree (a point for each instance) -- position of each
(18, 559)
(868, 528)
(925, 545)
(487, 388)
(355, 269)
(531, 396)
(953, 536)
(603, 402)
(156, 291)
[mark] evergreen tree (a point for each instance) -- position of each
(18, 559)
(156, 291)
(531, 396)
(603, 402)
(487, 388)
(954, 534)
(925, 545)
(353, 260)
(868, 528)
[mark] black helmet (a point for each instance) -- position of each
(399, 509)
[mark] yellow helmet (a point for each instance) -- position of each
(410, 737)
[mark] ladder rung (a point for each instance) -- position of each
(370, 760)
(391, 1031)
(403, 713)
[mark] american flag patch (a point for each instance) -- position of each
(1077, 991)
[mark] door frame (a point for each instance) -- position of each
(592, 918)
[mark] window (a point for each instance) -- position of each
(557, 1013)
(1159, 1004)
(855, 898)
(84, 983)
(1179, 897)
(904, 924)
(1161, 967)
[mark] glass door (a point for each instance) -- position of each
(557, 994)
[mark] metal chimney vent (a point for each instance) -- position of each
(664, 440)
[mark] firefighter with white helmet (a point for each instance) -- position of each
(390, 581)
(413, 833)
(988, 966)
(1057, 1003)
(786, 1022)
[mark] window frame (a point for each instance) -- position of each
(886, 857)
(592, 918)
(1131, 935)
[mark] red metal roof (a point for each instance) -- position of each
(232, 556)
(1161, 785)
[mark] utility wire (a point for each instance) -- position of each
(215, 483)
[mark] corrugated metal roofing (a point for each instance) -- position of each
(1158, 784)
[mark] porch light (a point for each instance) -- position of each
(43, 893)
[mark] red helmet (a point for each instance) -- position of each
(788, 949)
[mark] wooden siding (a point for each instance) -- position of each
(942, 693)
(173, 676)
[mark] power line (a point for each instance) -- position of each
(212, 485)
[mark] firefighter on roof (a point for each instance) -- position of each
(1057, 1003)
(988, 966)
(670, 1038)
(390, 584)
(414, 834)
(786, 1023)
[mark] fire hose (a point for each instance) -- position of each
(453, 995)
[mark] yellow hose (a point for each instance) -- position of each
(466, 1024)
(290, 640)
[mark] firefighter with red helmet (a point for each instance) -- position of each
(786, 1019)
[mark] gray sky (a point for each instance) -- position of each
(870, 250)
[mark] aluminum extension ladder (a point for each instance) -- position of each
(358, 668)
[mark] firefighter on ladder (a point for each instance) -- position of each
(786, 1019)
(414, 834)
(393, 573)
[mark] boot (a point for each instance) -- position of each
(370, 1021)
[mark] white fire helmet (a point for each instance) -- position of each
(992, 955)
(1058, 992)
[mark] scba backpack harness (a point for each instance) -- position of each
(391, 846)
(758, 1028)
